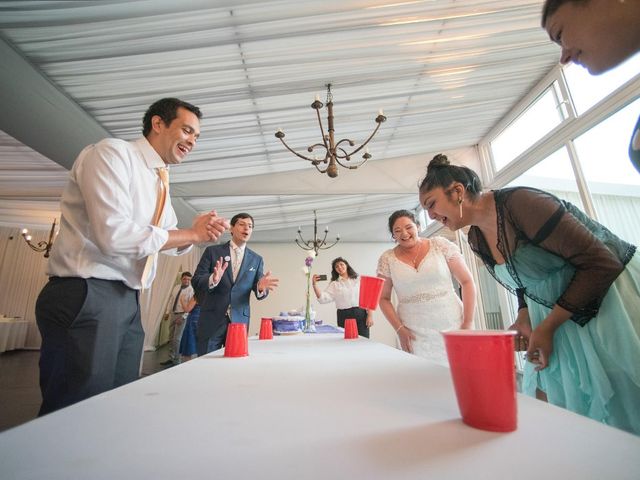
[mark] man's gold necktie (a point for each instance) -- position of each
(161, 200)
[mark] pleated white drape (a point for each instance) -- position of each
(22, 276)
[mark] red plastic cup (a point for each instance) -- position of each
(236, 344)
(483, 372)
(350, 329)
(266, 329)
(370, 291)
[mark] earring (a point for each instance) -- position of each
(460, 206)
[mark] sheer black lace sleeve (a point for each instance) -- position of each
(560, 228)
(522, 303)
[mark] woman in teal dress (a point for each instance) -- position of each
(578, 287)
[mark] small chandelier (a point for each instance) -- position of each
(334, 153)
(41, 246)
(315, 244)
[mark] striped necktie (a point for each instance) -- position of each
(236, 262)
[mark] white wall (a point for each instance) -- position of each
(286, 261)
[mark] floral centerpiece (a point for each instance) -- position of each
(309, 324)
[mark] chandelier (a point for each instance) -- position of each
(334, 152)
(315, 244)
(41, 246)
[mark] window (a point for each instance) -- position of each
(587, 90)
(540, 118)
(613, 182)
(555, 175)
(423, 219)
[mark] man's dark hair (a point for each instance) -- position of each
(551, 6)
(186, 274)
(167, 110)
(238, 216)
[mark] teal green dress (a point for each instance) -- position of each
(594, 370)
(556, 255)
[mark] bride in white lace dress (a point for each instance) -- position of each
(419, 270)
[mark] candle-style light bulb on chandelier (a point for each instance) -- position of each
(315, 243)
(43, 246)
(334, 152)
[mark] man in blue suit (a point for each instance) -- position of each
(227, 290)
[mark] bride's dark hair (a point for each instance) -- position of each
(440, 173)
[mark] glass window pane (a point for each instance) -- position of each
(612, 180)
(423, 219)
(587, 90)
(555, 175)
(539, 119)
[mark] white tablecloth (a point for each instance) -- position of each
(307, 407)
(13, 333)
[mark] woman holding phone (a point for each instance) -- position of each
(344, 291)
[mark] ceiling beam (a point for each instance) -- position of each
(37, 113)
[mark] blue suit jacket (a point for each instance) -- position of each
(217, 300)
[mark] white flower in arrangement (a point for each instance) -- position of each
(305, 270)
(312, 254)
(227, 258)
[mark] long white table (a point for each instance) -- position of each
(13, 333)
(307, 407)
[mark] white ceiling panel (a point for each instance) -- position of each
(444, 72)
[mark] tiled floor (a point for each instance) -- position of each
(19, 391)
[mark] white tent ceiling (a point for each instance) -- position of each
(444, 71)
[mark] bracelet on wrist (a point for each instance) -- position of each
(401, 326)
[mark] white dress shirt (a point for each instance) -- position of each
(107, 209)
(236, 256)
(344, 292)
(186, 294)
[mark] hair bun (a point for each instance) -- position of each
(440, 160)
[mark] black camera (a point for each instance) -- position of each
(322, 278)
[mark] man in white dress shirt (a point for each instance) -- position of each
(115, 219)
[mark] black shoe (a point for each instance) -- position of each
(167, 363)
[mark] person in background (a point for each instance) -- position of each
(420, 270)
(599, 35)
(228, 290)
(116, 216)
(578, 287)
(188, 343)
(344, 291)
(178, 309)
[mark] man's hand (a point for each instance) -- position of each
(208, 227)
(267, 283)
(218, 270)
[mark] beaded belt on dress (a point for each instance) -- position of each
(423, 297)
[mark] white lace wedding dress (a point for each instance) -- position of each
(427, 302)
